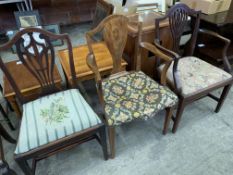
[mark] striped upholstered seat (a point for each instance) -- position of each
(54, 117)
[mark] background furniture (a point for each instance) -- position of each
(148, 33)
(126, 96)
(4, 167)
(22, 5)
(83, 72)
(60, 12)
(27, 84)
(222, 23)
(57, 118)
(103, 9)
(190, 77)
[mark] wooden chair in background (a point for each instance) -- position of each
(190, 77)
(126, 96)
(59, 118)
(103, 9)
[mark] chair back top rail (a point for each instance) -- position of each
(181, 19)
(36, 53)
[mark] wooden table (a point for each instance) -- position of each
(148, 35)
(27, 84)
(83, 72)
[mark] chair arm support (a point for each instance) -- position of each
(224, 49)
(168, 57)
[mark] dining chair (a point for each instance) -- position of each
(4, 167)
(103, 9)
(126, 96)
(57, 118)
(4, 109)
(189, 76)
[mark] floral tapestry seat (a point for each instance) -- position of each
(54, 117)
(134, 95)
(196, 75)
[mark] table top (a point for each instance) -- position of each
(23, 78)
(147, 19)
(102, 55)
(219, 19)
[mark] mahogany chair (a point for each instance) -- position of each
(103, 9)
(126, 96)
(57, 118)
(4, 167)
(190, 77)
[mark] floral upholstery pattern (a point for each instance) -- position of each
(54, 117)
(196, 75)
(134, 95)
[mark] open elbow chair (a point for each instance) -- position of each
(126, 96)
(56, 118)
(191, 77)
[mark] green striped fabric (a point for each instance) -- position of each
(54, 117)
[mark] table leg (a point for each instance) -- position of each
(14, 105)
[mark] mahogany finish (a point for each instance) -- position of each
(221, 23)
(178, 16)
(36, 60)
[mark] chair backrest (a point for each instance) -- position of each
(103, 9)
(182, 21)
(115, 32)
(36, 57)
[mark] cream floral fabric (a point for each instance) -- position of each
(196, 74)
(134, 95)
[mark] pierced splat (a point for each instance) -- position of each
(180, 19)
(37, 55)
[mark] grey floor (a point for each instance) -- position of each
(203, 144)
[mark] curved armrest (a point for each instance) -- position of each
(226, 42)
(168, 57)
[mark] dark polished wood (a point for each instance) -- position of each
(61, 12)
(178, 17)
(222, 23)
(41, 67)
(148, 33)
(115, 36)
(27, 84)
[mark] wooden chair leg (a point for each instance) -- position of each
(23, 164)
(6, 118)
(167, 120)
(5, 135)
(111, 135)
(222, 98)
(179, 113)
(103, 142)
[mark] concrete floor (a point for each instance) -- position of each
(203, 144)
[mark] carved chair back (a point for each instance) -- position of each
(115, 33)
(182, 20)
(103, 9)
(37, 55)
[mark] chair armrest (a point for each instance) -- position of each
(168, 57)
(226, 42)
